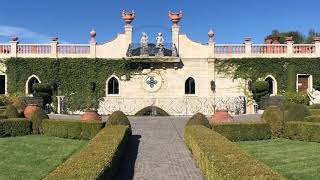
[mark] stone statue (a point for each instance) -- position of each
(144, 44)
(159, 44)
(314, 96)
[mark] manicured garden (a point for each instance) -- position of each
(292, 159)
(34, 156)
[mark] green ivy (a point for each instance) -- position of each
(72, 75)
(283, 69)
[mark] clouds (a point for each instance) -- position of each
(6, 32)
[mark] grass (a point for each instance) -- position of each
(34, 156)
(292, 159)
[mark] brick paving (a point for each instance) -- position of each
(156, 150)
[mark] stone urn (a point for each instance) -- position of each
(91, 115)
(29, 110)
(221, 116)
(128, 17)
(175, 17)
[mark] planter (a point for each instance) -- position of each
(91, 115)
(221, 116)
(29, 110)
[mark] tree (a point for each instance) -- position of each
(297, 36)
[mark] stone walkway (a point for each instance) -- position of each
(156, 150)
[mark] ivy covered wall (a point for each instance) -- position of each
(72, 75)
(283, 69)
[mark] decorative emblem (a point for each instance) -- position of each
(151, 81)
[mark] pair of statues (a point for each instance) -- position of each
(144, 44)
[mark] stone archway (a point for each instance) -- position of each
(33, 79)
(273, 85)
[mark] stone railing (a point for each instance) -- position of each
(269, 49)
(229, 49)
(33, 49)
(73, 49)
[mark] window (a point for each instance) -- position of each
(113, 86)
(30, 82)
(2, 84)
(189, 86)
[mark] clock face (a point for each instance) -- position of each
(152, 82)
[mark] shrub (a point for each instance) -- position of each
(294, 112)
(72, 129)
(298, 98)
(274, 117)
(306, 131)
(268, 101)
(198, 119)
(314, 111)
(118, 118)
(313, 118)
(99, 159)
(2, 116)
(218, 158)
(20, 104)
(260, 89)
(314, 106)
(36, 118)
(243, 131)
(4, 100)
(12, 112)
(14, 127)
(152, 110)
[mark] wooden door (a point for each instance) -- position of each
(303, 83)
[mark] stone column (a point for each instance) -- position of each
(289, 42)
(248, 45)
(175, 35)
(54, 47)
(93, 44)
(14, 44)
(128, 32)
(316, 41)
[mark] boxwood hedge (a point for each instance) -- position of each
(72, 129)
(306, 131)
(243, 131)
(98, 160)
(313, 118)
(15, 127)
(219, 158)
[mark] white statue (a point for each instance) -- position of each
(314, 96)
(144, 44)
(159, 40)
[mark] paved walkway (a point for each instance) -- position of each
(156, 151)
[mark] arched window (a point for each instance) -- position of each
(113, 86)
(189, 86)
(30, 82)
(272, 85)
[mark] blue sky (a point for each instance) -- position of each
(231, 20)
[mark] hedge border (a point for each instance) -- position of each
(15, 127)
(305, 131)
(99, 159)
(219, 158)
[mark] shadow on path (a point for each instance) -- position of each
(127, 164)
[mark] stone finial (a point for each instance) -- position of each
(128, 17)
(54, 38)
(175, 17)
(210, 34)
(288, 38)
(93, 33)
(247, 39)
(14, 38)
(316, 39)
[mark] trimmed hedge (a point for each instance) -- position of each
(36, 118)
(15, 127)
(219, 158)
(3, 116)
(72, 129)
(313, 118)
(294, 112)
(198, 119)
(306, 131)
(243, 131)
(314, 106)
(315, 111)
(118, 118)
(12, 112)
(274, 117)
(99, 159)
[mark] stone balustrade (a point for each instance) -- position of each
(229, 49)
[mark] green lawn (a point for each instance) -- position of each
(293, 159)
(33, 157)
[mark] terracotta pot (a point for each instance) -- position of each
(221, 116)
(175, 17)
(29, 110)
(128, 16)
(91, 115)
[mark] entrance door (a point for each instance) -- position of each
(303, 83)
(2, 84)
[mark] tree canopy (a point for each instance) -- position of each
(297, 36)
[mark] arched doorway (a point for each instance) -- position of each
(33, 79)
(272, 85)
